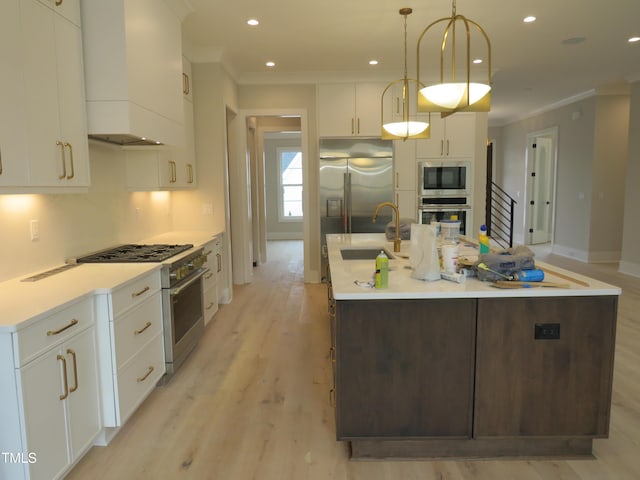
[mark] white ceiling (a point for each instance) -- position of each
(332, 40)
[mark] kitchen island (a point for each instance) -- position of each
(441, 369)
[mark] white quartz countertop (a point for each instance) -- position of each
(22, 303)
(344, 274)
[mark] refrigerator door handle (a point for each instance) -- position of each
(349, 205)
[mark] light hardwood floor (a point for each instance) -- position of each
(252, 402)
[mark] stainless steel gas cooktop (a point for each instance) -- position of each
(133, 253)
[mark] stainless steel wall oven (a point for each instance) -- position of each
(443, 208)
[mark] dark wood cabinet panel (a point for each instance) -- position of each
(404, 368)
(544, 387)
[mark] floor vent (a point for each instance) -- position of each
(48, 273)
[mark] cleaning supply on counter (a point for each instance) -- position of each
(483, 240)
(450, 230)
(453, 277)
(382, 270)
(423, 257)
(450, 257)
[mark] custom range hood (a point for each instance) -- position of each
(133, 71)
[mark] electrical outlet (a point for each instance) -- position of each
(34, 227)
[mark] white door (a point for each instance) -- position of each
(541, 173)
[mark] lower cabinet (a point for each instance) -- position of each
(213, 280)
(544, 366)
(50, 404)
(404, 368)
(472, 377)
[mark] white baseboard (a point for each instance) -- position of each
(570, 252)
(629, 268)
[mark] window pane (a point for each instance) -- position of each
(291, 168)
(292, 201)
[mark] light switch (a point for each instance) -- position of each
(34, 226)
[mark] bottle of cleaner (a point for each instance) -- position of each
(483, 240)
(382, 270)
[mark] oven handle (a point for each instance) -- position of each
(178, 290)
(443, 208)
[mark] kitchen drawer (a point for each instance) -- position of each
(135, 292)
(52, 330)
(139, 377)
(137, 327)
(209, 251)
(210, 279)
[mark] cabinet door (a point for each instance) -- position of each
(528, 386)
(83, 404)
(336, 110)
(368, 105)
(407, 203)
(44, 413)
(13, 124)
(451, 137)
(405, 165)
(404, 368)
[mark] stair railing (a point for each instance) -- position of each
(499, 215)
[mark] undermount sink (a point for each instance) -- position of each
(368, 253)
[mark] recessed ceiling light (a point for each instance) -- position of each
(573, 40)
(270, 64)
(477, 60)
(634, 39)
(253, 22)
(373, 62)
(529, 19)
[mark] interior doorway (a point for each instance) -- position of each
(541, 160)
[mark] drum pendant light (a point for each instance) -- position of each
(456, 93)
(408, 126)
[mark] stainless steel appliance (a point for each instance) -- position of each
(182, 292)
(443, 208)
(355, 176)
(450, 178)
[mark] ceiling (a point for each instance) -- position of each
(574, 48)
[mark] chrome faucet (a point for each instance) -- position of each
(396, 241)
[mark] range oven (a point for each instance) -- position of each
(436, 209)
(182, 292)
(444, 178)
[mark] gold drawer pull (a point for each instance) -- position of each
(142, 379)
(138, 332)
(332, 397)
(60, 330)
(75, 370)
(137, 294)
(209, 306)
(208, 276)
(64, 376)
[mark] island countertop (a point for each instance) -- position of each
(345, 273)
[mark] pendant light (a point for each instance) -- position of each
(456, 93)
(408, 126)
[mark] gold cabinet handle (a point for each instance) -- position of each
(140, 292)
(332, 397)
(219, 258)
(64, 163)
(75, 370)
(146, 325)
(185, 84)
(447, 146)
(60, 330)
(207, 253)
(0, 161)
(358, 123)
(143, 378)
(64, 376)
(208, 276)
(73, 172)
(353, 125)
(58, 3)
(441, 147)
(172, 171)
(190, 172)
(209, 306)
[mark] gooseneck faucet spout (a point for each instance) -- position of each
(396, 241)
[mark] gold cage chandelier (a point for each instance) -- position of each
(408, 126)
(455, 94)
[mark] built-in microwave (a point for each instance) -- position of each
(444, 178)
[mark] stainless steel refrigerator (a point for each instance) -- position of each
(355, 176)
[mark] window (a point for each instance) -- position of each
(290, 181)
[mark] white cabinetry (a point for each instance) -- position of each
(133, 66)
(405, 170)
(349, 110)
(157, 168)
(214, 278)
(451, 137)
(130, 345)
(51, 147)
(56, 387)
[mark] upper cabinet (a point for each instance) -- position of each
(43, 142)
(451, 137)
(350, 110)
(133, 68)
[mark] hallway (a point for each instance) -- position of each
(252, 402)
